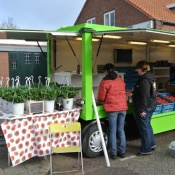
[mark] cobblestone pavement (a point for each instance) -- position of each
(34, 166)
(159, 163)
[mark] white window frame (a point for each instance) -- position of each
(37, 58)
(109, 22)
(28, 58)
(90, 21)
(14, 64)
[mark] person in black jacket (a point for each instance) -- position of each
(144, 101)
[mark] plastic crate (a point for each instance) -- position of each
(166, 107)
(134, 79)
(171, 101)
(158, 108)
(167, 110)
(126, 78)
(156, 112)
(164, 94)
(132, 84)
(122, 69)
(172, 83)
(133, 70)
(169, 106)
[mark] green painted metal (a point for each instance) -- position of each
(95, 27)
(130, 108)
(103, 28)
(163, 122)
(49, 67)
(160, 122)
(86, 113)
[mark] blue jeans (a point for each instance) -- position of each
(116, 128)
(146, 131)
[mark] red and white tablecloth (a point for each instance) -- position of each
(28, 136)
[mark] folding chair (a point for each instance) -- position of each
(64, 128)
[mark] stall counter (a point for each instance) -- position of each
(28, 136)
(160, 122)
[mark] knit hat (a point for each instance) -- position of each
(109, 67)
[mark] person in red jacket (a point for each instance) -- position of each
(112, 92)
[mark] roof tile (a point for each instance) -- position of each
(155, 9)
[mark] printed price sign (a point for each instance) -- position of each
(36, 107)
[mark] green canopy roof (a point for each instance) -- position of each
(103, 28)
(96, 27)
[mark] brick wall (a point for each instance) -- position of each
(97, 8)
(158, 25)
(3, 35)
(168, 28)
(125, 14)
(4, 66)
(162, 26)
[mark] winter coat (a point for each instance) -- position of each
(144, 95)
(112, 91)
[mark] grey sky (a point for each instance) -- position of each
(41, 14)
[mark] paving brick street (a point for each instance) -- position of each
(159, 163)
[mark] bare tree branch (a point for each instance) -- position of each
(8, 24)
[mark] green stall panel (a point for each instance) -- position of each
(163, 122)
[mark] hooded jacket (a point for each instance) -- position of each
(112, 91)
(144, 95)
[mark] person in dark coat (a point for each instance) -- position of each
(112, 92)
(144, 101)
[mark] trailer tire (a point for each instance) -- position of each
(91, 143)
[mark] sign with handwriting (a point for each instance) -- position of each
(36, 107)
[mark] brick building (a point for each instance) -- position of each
(156, 14)
(21, 58)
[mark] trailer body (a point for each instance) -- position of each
(75, 45)
(92, 54)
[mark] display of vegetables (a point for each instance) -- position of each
(170, 97)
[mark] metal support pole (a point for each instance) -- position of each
(100, 130)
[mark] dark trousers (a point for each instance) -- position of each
(146, 131)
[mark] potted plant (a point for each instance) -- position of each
(9, 98)
(68, 95)
(4, 92)
(31, 94)
(49, 96)
(18, 101)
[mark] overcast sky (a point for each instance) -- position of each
(41, 14)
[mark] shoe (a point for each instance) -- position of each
(143, 154)
(121, 155)
(153, 148)
(114, 157)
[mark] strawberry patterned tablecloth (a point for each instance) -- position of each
(28, 136)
